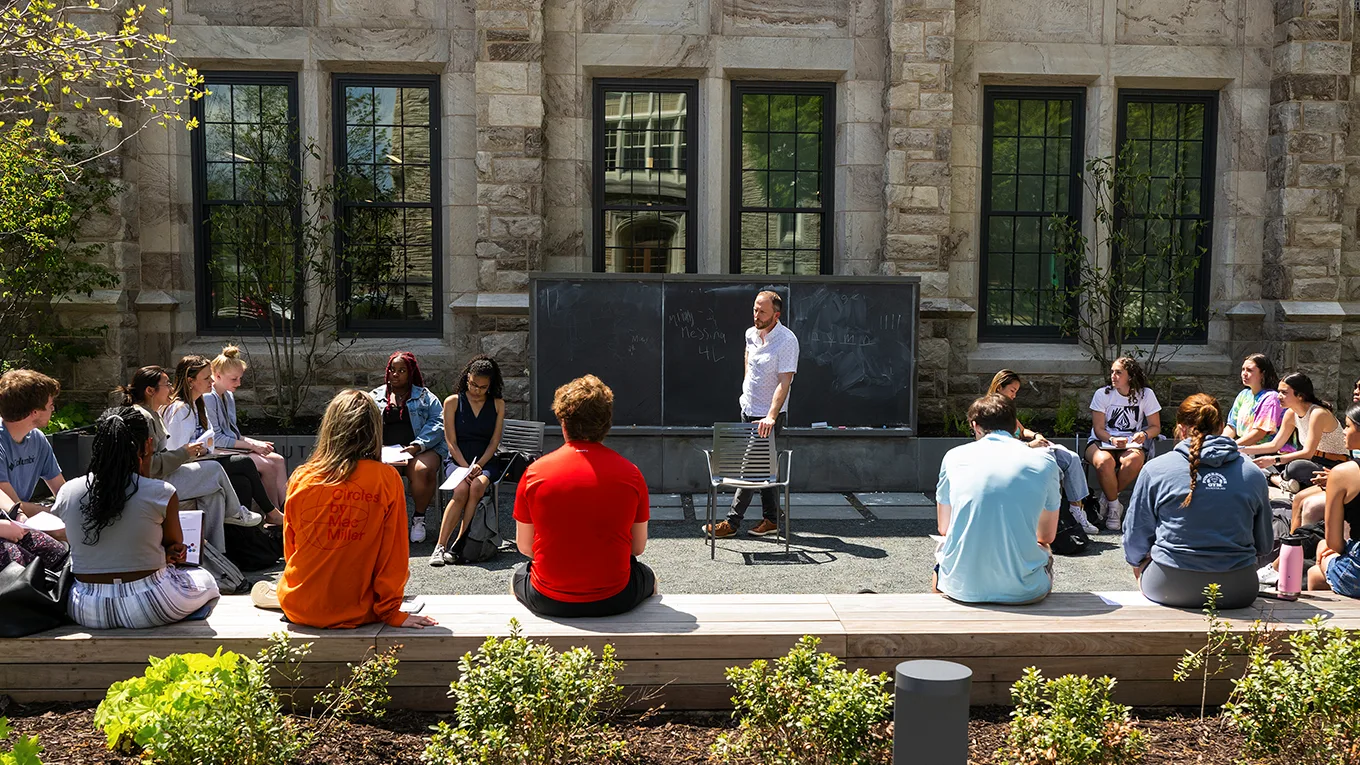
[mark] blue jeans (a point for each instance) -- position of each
(1073, 473)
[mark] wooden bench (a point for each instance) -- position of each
(685, 642)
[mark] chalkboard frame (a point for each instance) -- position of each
(785, 283)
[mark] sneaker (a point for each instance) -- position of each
(1290, 485)
(1103, 510)
(765, 528)
(1080, 514)
(1114, 517)
(265, 594)
(1267, 575)
(418, 529)
(722, 530)
(244, 517)
(437, 557)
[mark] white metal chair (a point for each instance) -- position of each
(741, 459)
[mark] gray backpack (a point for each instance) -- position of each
(483, 534)
(230, 580)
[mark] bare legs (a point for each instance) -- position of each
(423, 473)
(1115, 473)
(274, 473)
(458, 514)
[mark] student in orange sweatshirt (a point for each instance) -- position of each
(344, 536)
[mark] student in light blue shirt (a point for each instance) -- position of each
(997, 501)
(26, 401)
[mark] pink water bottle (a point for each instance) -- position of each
(1291, 566)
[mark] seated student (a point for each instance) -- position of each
(581, 516)
(1126, 416)
(1338, 561)
(474, 417)
(1322, 443)
(1073, 472)
(997, 504)
(203, 481)
(186, 420)
(1257, 411)
(125, 535)
(1199, 515)
(344, 535)
(413, 419)
(227, 369)
(1310, 501)
(26, 401)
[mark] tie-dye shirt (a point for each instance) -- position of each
(1263, 411)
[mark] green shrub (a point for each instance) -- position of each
(68, 417)
(805, 710)
(1303, 708)
(1069, 720)
(1065, 420)
(25, 750)
(522, 703)
(200, 709)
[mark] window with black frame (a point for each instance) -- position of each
(1165, 215)
(1031, 164)
(782, 177)
(387, 159)
(246, 200)
(644, 201)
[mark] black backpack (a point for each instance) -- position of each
(1071, 539)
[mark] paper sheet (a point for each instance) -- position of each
(205, 440)
(1106, 445)
(456, 477)
(191, 525)
(44, 522)
(395, 455)
(1125, 598)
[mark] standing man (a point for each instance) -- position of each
(771, 361)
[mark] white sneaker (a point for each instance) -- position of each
(1290, 485)
(437, 557)
(1079, 513)
(1267, 575)
(244, 517)
(1103, 510)
(1114, 517)
(418, 529)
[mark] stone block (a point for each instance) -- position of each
(1298, 258)
(520, 111)
(1308, 29)
(783, 19)
(907, 37)
(502, 77)
(1325, 176)
(913, 247)
(504, 198)
(514, 51)
(510, 349)
(242, 13)
(1287, 116)
(1300, 87)
(1326, 58)
(1323, 116)
(1314, 147)
(518, 171)
(1310, 203)
(516, 227)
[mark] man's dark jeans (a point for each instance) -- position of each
(769, 498)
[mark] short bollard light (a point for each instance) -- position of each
(930, 713)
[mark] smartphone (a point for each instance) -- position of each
(1276, 595)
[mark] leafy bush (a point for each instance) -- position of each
(1069, 720)
(69, 417)
(195, 708)
(26, 748)
(1302, 708)
(520, 702)
(805, 710)
(1065, 419)
(206, 710)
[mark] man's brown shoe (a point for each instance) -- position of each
(722, 530)
(765, 528)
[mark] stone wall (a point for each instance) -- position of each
(516, 133)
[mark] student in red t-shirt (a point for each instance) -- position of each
(581, 516)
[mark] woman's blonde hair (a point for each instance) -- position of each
(351, 430)
(227, 360)
(1002, 379)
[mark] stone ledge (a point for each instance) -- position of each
(945, 308)
(1071, 359)
(1317, 310)
(490, 303)
(1247, 309)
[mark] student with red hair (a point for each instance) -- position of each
(413, 418)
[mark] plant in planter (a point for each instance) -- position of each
(1069, 720)
(1065, 420)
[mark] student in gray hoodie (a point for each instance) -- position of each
(1199, 515)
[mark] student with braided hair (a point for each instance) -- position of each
(1199, 515)
(125, 536)
(413, 419)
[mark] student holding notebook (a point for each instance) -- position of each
(1125, 417)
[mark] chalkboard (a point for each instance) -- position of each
(606, 328)
(704, 339)
(671, 346)
(856, 345)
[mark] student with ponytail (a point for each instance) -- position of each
(125, 535)
(1338, 561)
(227, 369)
(1200, 515)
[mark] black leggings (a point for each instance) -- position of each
(1302, 470)
(245, 479)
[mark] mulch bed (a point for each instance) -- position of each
(69, 737)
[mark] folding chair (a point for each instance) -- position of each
(741, 459)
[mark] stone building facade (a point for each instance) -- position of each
(519, 126)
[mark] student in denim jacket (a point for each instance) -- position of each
(413, 418)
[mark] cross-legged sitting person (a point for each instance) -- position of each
(581, 516)
(1199, 515)
(123, 526)
(344, 535)
(1125, 417)
(997, 502)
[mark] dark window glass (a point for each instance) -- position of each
(644, 205)
(387, 157)
(247, 199)
(1031, 164)
(781, 183)
(1166, 147)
